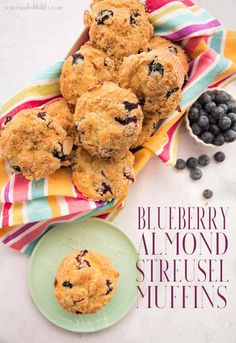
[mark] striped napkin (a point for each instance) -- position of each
(29, 209)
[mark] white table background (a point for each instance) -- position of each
(29, 41)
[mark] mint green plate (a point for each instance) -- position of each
(94, 234)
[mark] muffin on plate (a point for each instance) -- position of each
(85, 282)
(102, 179)
(108, 120)
(119, 28)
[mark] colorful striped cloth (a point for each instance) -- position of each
(29, 209)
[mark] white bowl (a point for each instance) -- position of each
(189, 129)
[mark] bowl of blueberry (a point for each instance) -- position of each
(211, 120)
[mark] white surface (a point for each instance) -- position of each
(31, 40)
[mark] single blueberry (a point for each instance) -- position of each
(197, 105)
(203, 122)
(155, 67)
(219, 156)
(222, 97)
(218, 112)
(133, 18)
(219, 140)
(193, 113)
(224, 106)
(212, 119)
(203, 160)
(77, 57)
(207, 194)
(231, 106)
(192, 162)
(67, 284)
(224, 123)
(214, 129)
(196, 173)
(233, 127)
(171, 92)
(230, 136)
(196, 129)
(232, 117)
(207, 137)
(103, 16)
(209, 106)
(180, 164)
(205, 98)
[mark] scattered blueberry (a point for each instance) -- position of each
(231, 106)
(208, 194)
(155, 67)
(103, 16)
(219, 156)
(67, 284)
(224, 123)
(195, 173)
(203, 160)
(207, 137)
(230, 136)
(180, 164)
(192, 162)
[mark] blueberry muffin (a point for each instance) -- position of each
(154, 80)
(175, 53)
(102, 179)
(34, 144)
(108, 120)
(85, 282)
(86, 69)
(119, 28)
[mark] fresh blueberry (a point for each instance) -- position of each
(103, 16)
(155, 67)
(196, 173)
(203, 160)
(133, 18)
(224, 123)
(209, 106)
(207, 194)
(207, 137)
(203, 122)
(205, 98)
(193, 113)
(219, 156)
(233, 127)
(230, 136)
(222, 97)
(197, 105)
(219, 140)
(224, 106)
(180, 164)
(67, 284)
(192, 162)
(232, 117)
(218, 112)
(212, 119)
(196, 129)
(214, 129)
(77, 57)
(231, 106)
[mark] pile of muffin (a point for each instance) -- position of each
(115, 90)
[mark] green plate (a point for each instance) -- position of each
(94, 234)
